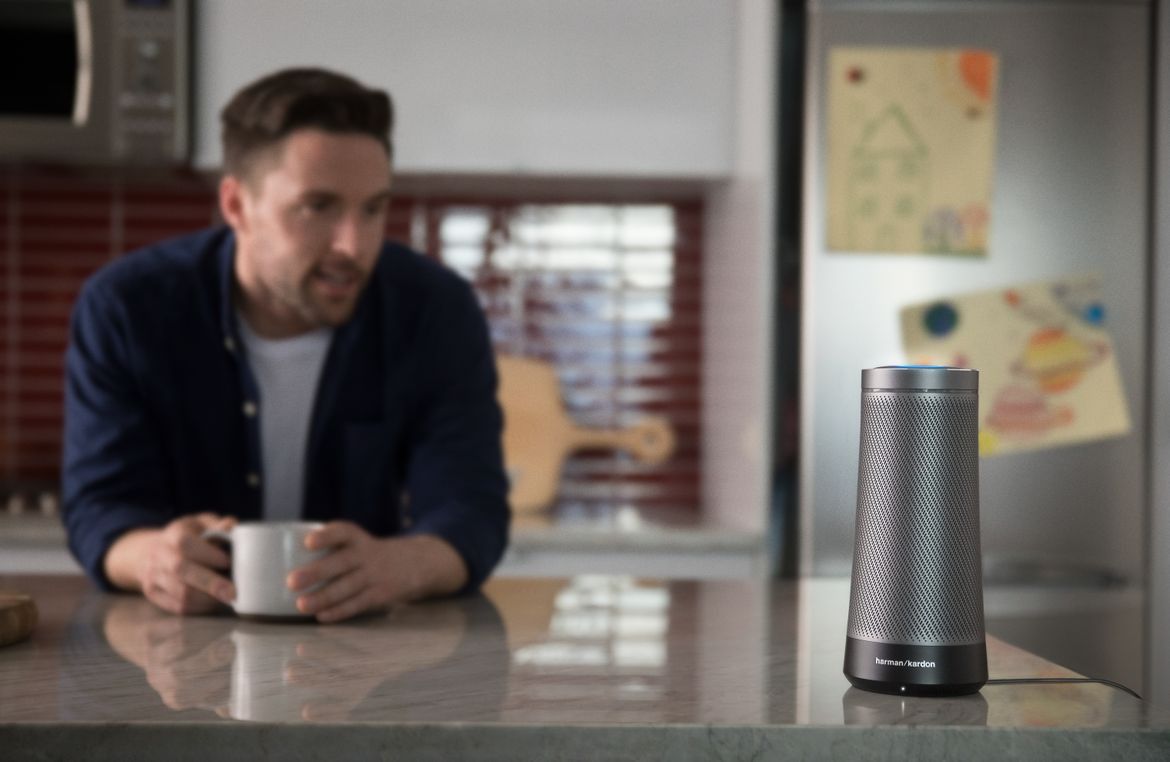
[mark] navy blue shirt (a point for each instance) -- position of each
(405, 430)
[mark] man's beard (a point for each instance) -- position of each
(317, 310)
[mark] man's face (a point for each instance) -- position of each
(309, 221)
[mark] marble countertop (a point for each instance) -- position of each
(591, 667)
(620, 538)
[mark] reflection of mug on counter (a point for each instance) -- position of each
(284, 674)
(263, 685)
(263, 555)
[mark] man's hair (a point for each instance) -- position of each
(265, 112)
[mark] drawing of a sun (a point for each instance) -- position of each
(968, 79)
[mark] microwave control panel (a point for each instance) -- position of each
(150, 85)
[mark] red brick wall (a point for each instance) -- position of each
(608, 291)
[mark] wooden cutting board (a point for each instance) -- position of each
(539, 435)
(18, 617)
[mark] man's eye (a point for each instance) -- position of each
(316, 206)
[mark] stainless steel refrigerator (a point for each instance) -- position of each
(1063, 528)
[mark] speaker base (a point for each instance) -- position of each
(914, 670)
(914, 689)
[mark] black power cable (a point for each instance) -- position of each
(1101, 680)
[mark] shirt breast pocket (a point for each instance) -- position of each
(371, 482)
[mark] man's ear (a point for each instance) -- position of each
(231, 203)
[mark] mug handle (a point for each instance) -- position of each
(217, 534)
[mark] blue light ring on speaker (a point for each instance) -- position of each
(920, 378)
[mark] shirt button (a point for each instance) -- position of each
(229, 344)
(253, 479)
(250, 409)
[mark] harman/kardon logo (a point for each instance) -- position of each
(903, 663)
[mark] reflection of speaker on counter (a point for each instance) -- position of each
(867, 708)
(916, 595)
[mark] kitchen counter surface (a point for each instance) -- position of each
(624, 540)
(590, 667)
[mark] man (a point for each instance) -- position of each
(289, 365)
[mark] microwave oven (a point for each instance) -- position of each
(95, 81)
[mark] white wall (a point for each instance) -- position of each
(738, 288)
(585, 87)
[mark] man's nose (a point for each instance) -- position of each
(348, 234)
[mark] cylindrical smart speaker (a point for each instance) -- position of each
(916, 595)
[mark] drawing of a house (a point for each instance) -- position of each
(889, 169)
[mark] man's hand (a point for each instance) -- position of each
(365, 573)
(174, 567)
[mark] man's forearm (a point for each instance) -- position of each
(437, 568)
(122, 559)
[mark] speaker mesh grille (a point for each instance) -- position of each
(916, 560)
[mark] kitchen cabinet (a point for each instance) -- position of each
(538, 87)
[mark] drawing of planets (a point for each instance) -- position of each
(1081, 300)
(940, 319)
(1020, 411)
(1093, 314)
(1056, 361)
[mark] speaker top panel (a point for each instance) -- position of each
(932, 378)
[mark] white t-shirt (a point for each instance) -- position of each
(287, 372)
